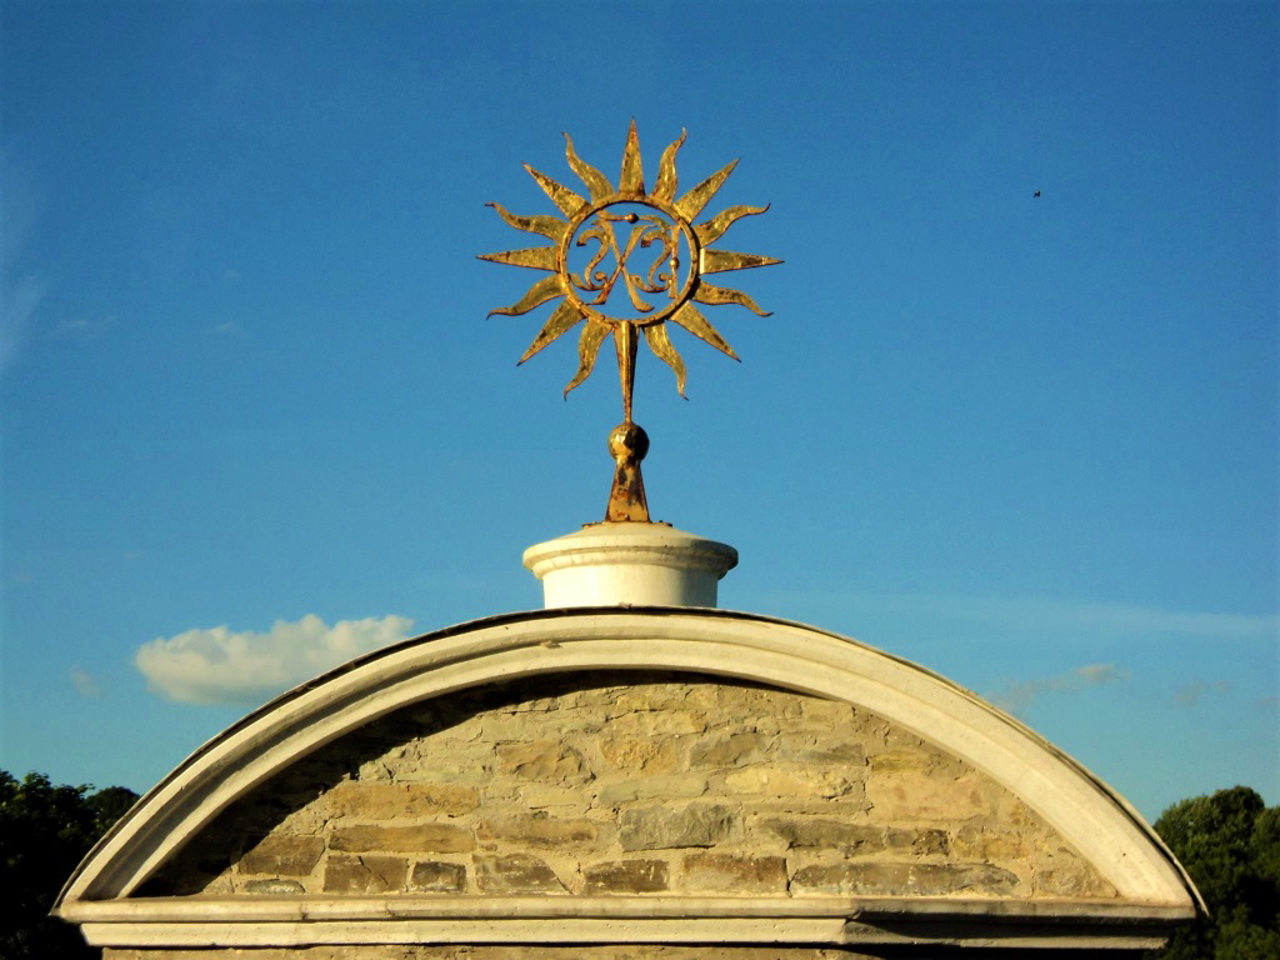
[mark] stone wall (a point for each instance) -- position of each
(664, 784)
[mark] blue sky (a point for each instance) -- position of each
(255, 419)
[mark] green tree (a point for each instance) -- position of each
(1230, 844)
(45, 830)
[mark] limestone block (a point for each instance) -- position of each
(658, 723)
(1071, 879)
(926, 842)
(283, 855)
(730, 750)
(274, 888)
(826, 749)
(828, 713)
(535, 831)
(651, 697)
(796, 781)
(905, 758)
(932, 879)
(663, 828)
(726, 873)
(544, 760)
(515, 873)
(384, 801)
(364, 875)
(452, 761)
(433, 876)
(848, 838)
(648, 754)
(418, 838)
(673, 787)
(903, 879)
(912, 795)
(541, 796)
(626, 876)
(981, 843)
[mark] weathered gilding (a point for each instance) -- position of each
(664, 191)
(548, 288)
(718, 261)
(716, 296)
(714, 229)
(593, 335)
(660, 344)
(596, 181)
(691, 318)
(550, 227)
(692, 203)
(564, 198)
(631, 183)
(539, 258)
(562, 320)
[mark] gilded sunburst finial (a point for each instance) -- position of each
(625, 260)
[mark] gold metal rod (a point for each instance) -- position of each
(624, 340)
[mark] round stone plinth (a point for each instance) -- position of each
(630, 564)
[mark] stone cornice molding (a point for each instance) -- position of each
(305, 921)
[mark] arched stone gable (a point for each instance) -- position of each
(940, 806)
(574, 784)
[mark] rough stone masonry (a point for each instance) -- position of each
(665, 784)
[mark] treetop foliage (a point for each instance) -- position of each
(1230, 844)
(45, 830)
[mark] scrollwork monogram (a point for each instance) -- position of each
(647, 231)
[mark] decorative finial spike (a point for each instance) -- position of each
(649, 242)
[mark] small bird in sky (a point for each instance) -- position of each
(1036, 194)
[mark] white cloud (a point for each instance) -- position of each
(1017, 697)
(221, 666)
(84, 683)
(1190, 695)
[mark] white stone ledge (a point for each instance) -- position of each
(300, 921)
(316, 908)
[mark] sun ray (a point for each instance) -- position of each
(564, 198)
(691, 318)
(691, 204)
(552, 228)
(656, 336)
(716, 296)
(718, 261)
(631, 183)
(596, 181)
(593, 335)
(563, 319)
(539, 258)
(664, 191)
(548, 288)
(715, 228)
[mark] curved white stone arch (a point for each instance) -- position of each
(1098, 823)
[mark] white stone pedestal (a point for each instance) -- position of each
(630, 564)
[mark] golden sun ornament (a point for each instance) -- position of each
(595, 245)
(625, 260)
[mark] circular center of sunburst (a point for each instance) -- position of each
(628, 261)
